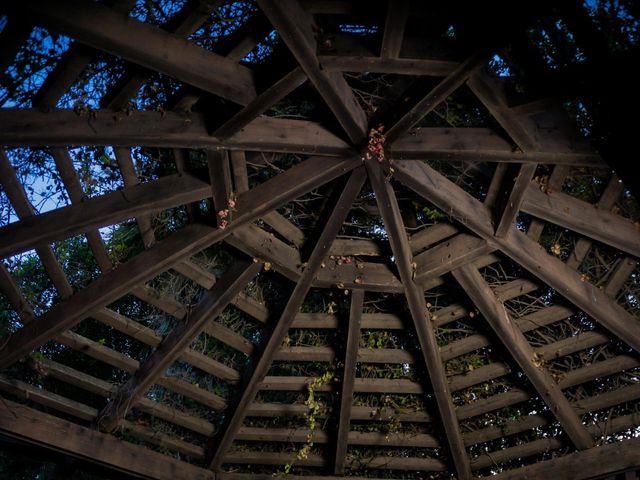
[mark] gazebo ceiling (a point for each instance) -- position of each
(397, 267)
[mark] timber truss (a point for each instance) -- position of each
(520, 360)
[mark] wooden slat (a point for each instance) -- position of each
(108, 209)
(23, 423)
(397, 14)
(294, 27)
(213, 302)
(515, 342)
(184, 243)
(445, 88)
(186, 22)
(257, 371)
(599, 461)
(582, 217)
(451, 198)
(147, 46)
(388, 205)
(29, 127)
(346, 394)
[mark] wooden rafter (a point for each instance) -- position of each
(515, 342)
(147, 46)
(295, 28)
(108, 209)
(257, 370)
(108, 288)
(480, 145)
(449, 197)
(24, 127)
(23, 423)
(388, 205)
(211, 305)
(432, 99)
(346, 395)
(394, 25)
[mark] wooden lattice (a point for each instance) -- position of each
(479, 312)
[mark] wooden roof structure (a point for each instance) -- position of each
(498, 294)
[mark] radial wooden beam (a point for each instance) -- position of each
(212, 303)
(257, 370)
(108, 209)
(566, 281)
(388, 205)
(26, 424)
(186, 22)
(184, 243)
(145, 45)
(261, 103)
(346, 395)
(29, 127)
(430, 101)
(480, 145)
(294, 26)
(394, 25)
(516, 343)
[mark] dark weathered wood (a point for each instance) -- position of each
(261, 103)
(286, 260)
(100, 211)
(479, 145)
(491, 92)
(346, 394)
(251, 205)
(130, 179)
(220, 178)
(186, 22)
(147, 46)
(527, 323)
(23, 423)
(620, 276)
(400, 66)
(71, 181)
(256, 371)
(18, 198)
(469, 211)
(515, 342)
(448, 255)
(445, 88)
(388, 205)
(397, 14)
(582, 217)
(602, 460)
(25, 127)
(213, 302)
(63, 76)
(516, 181)
(294, 26)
